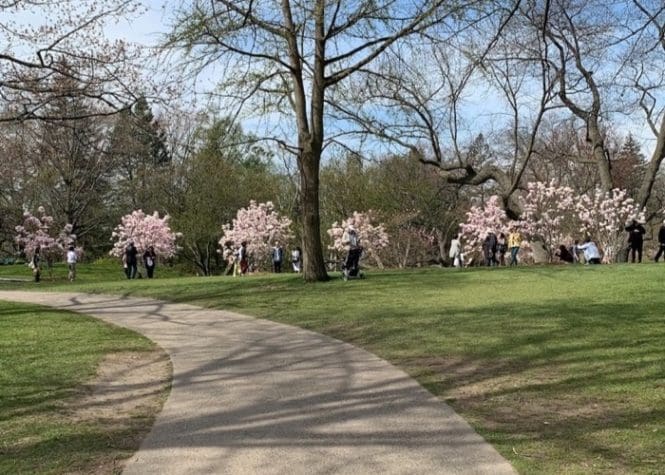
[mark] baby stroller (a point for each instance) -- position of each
(351, 268)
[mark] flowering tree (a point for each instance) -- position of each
(603, 216)
(259, 225)
(144, 230)
(480, 220)
(549, 214)
(36, 231)
(554, 213)
(372, 238)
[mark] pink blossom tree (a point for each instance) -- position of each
(144, 230)
(259, 225)
(603, 216)
(553, 214)
(372, 237)
(37, 231)
(549, 214)
(480, 220)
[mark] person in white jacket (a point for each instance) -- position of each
(72, 258)
(591, 252)
(455, 252)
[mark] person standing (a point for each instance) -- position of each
(514, 243)
(72, 258)
(131, 260)
(296, 259)
(635, 240)
(36, 263)
(150, 261)
(661, 242)
(501, 248)
(229, 257)
(455, 252)
(351, 242)
(489, 249)
(243, 259)
(277, 257)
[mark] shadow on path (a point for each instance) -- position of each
(253, 396)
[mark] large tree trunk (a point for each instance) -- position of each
(652, 169)
(311, 146)
(599, 152)
(314, 268)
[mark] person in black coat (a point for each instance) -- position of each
(564, 254)
(149, 261)
(131, 261)
(635, 240)
(661, 242)
(489, 249)
(36, 264)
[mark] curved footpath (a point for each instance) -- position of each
(253, 396)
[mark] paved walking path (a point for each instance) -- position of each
(253, 396)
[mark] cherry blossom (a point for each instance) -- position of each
(372, 238)
(37, 231)
(144, 230)
(549, 214)
(603, 216)
(259, 225)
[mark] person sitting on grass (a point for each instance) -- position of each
(591, 252)
(564, 254)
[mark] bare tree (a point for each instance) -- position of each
(643, 67)
(608, 59)
(63, 41)
(424, 108)
(283, 59)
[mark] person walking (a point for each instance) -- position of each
(131, 260)
(72, 258)
(635, 240)
(661, 242)
(514, 243)
(455, 252)
(150, 261)
(277, 257)
(35, 263)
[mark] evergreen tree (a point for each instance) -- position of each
(628, 166)
(224, 173)
(139, 152)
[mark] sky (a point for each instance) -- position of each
(483, 107)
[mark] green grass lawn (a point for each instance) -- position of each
(562, 368)
(45, 357)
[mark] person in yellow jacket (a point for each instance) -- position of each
(514, 243)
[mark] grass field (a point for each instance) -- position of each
(561, 368)
(45, 358)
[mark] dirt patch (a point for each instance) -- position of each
(124, 398)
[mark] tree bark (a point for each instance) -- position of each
(652, 170)
(314, 268)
